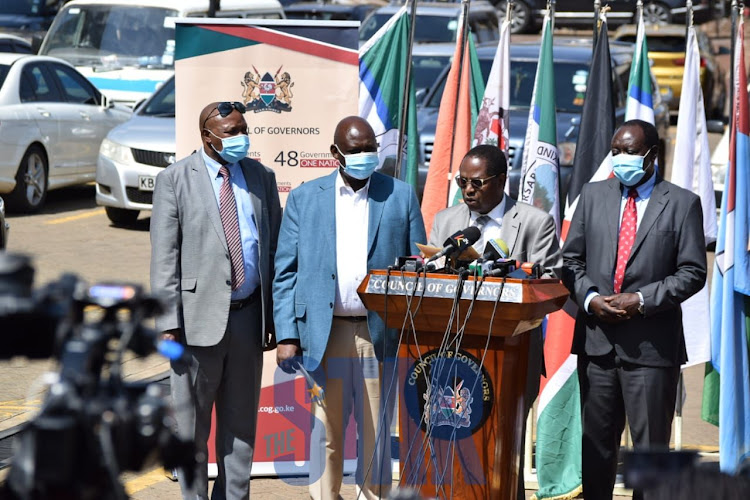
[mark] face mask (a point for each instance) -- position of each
(234, 148)
(629, 168)
(360, 165)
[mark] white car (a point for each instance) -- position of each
(52, 122)
(132, 156)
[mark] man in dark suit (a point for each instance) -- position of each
(214, 228)
(635, 250)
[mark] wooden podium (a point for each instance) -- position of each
(463, 442)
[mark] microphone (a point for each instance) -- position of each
(496, 249)
(458, 242)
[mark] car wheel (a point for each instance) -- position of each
(656, 13)
(520, 18)
(31, 181)
(121, 216)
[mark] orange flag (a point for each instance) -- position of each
(453, 135)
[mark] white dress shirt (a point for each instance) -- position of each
(352, 222)
(492, 228)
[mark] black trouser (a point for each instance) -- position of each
(612, 389)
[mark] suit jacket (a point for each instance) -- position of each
(528, 231)
(190, 265)
(305, 284)
(667, 265)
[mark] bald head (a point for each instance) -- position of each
(353, 128)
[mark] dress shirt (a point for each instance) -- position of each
(246, 216)
(641, 202)
(492, 229)
(352, 223)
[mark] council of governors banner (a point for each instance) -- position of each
(297, 80)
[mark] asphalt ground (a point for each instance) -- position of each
(72, 234)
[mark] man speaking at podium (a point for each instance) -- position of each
(529, 233)
(334, 231)
(635, 251)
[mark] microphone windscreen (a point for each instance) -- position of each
(472, 234)
(495, 249)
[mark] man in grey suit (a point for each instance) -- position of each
(214, 227)
(529, 232)
(635, 251)
(335, 230)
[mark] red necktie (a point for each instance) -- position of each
(228, 213)
(627, 237)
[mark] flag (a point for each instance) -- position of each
(382, 74)
(640, 103)
(558, 442)
(728, 374)
(540, 170)
(492, 119)
(691, 169)
(454, 129)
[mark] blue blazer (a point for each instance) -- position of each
(304, 287)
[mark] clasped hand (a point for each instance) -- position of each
(615, 308)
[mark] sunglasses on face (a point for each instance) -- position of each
(225, 109)
(475, 183)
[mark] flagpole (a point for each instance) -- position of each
(407, 88)
(638, 11)
(597, 10)
(735, 13)
(551, 9)
(463, 41)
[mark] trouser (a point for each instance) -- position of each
(612, 389)
(226, 375)
(351, 376)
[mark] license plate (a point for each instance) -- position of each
(146, 182)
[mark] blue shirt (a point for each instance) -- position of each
(246, 216)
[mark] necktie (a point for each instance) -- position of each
(627, 237)
(228, 213)
(481, 221)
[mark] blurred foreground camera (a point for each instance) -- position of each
(92, 425)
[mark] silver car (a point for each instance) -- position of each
(133, 154)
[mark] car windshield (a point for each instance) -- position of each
(112, 36)
(29, 7)
(428, 29)
(427, 69)
(4, 68)
(570, 84)
(162, 103)
(660, 43)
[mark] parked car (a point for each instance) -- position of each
(666, 50)
(52, 122)
(330, 11)
(3, 226)
(27, 17)
(438, 22)
(15, 44)
(133, 154)
(572, 59)
(527, 15)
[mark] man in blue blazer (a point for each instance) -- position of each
(335, 230)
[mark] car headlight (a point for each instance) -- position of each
(2, 206)
(115, 152)
(566, 152)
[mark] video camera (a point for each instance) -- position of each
(93, 425)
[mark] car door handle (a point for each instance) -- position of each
(85, 116)
(44, 112)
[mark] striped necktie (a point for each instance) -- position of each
(228, 213)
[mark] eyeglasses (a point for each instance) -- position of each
(225, 109)
(475, 183)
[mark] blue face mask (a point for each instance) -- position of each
(629, 168)
(360, 165)
(234, 148)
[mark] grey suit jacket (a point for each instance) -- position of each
(529, 232)
(667, 265)
(190, 265)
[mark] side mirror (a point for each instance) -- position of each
(36, 43)
(715, 126)
(106, 102)
(420, 94)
